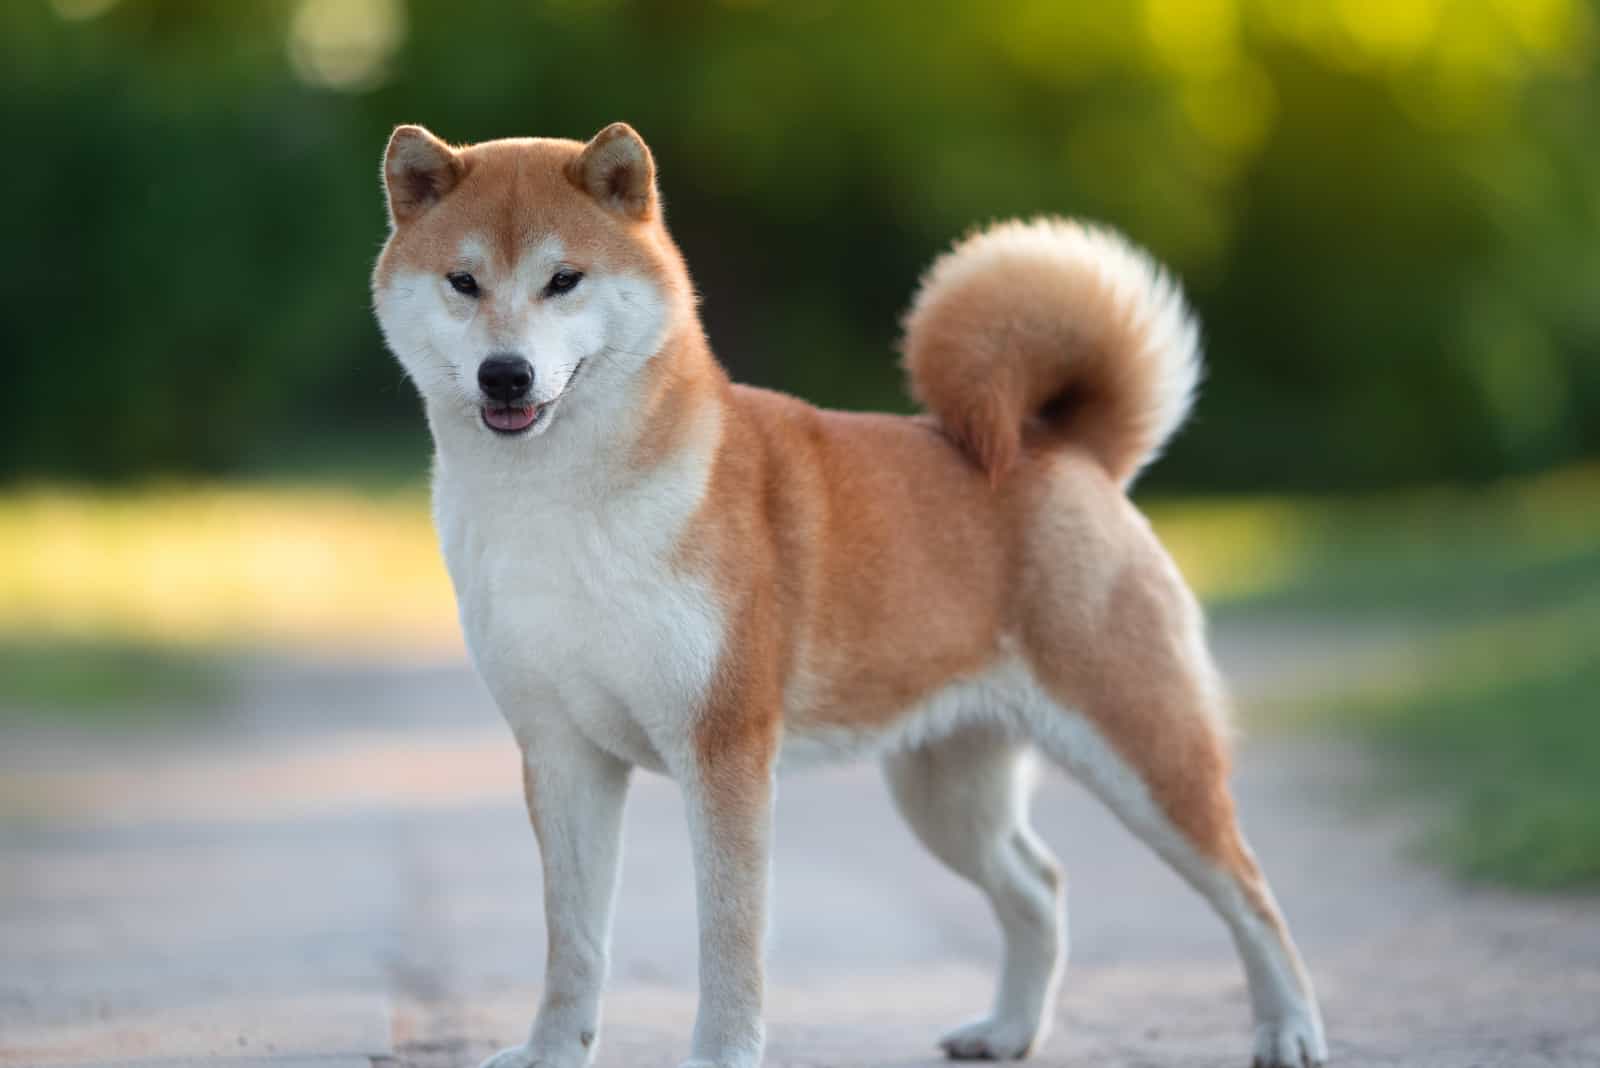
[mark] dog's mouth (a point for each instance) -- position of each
(512, 419)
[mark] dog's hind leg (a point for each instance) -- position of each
(966, 797)
(1202, 842)
(1132, 708)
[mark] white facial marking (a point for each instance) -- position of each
(608, 325)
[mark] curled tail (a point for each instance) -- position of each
(1055, 329)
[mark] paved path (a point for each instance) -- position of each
(336, 873)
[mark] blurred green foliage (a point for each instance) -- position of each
(1387, 211)
(1495, 724)
(1510, 755)
(1476, 688)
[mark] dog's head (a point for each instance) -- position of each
(521, 274)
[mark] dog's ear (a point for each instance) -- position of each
(418, 170)
(616, 168)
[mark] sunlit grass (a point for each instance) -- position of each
(1433, 555)
(205, 567)
(107, 683)
(320, 567)
(1236, 548)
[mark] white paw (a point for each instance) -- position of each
(514, 1057)
(990, 1040)
(523, 1057)
(1293, 1042)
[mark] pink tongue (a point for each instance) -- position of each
(510, 418)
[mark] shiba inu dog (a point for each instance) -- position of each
(659, 568)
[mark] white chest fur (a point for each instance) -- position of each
(572, 605)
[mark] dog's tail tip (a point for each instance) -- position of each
(1060, 330)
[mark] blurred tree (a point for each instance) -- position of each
(1386, 210)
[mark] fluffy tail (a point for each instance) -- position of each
(1057, 330)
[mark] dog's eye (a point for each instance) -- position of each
(462, 283)
(563, 281)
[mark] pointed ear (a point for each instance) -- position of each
(616, 169)
(418, 170)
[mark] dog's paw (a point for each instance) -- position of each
(1292, 1042)
(514, 1057)
(990, 1040)
(523, 1057)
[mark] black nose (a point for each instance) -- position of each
(506, 379)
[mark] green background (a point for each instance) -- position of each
(1388, 214)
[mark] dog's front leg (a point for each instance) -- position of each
(728, 793)
(575, 795)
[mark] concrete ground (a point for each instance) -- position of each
(335, 871)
